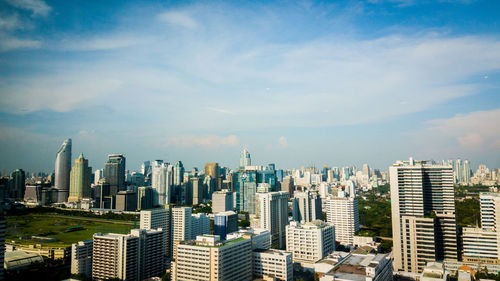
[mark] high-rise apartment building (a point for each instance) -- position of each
(178, 173)
(288, 185)
(482, 245)
(423, 214)
(245, 159)
(310, 242)
(114, 173)
(81, 258)
(343, 213)
(274, 215)
(209, 258)
(213, 171)
(62, 169)
(197, 190)
(159, 218)
(17, 185)
(224, 223)
(222, 201)
(181, 224)
(134, 256)
(161, 182)
(80, 180)
(307, 206)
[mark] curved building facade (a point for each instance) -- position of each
(62, 171)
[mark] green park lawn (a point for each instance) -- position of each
(54, 226)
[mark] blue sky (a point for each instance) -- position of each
(297, 83)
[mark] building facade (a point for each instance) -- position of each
(310, 242)
(80, 180)
(343, 213)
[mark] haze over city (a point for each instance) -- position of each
(306, 83)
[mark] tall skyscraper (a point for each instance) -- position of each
(145, 198)
(245, 159)
(181, 223)
(307, 206)
(274, 215)
(178, 173)
(423, 214)
(343, 213)
(245, 183)
(80, 180)
(212, 170)
(161, 182)
(197, 190)
(114, 173)
(288, 185)
(62, 169)
(18, 186)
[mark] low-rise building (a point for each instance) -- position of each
(272, 263)
(358, 267)
(81, 258)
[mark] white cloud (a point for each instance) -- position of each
(57, 94)
(102, 43)
(283, 142)
(475, 133)
(178, 18)
(37, 7)
(208, 141)
(8, 43)
(220, 110)
(9, 22)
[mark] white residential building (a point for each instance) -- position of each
(81, 258)
(274, 215)
(261, 238)
(311, 241)
(208, 258)
(181, 224)
(273, 264)
(423, 214)
(343, 213)
(306, 206)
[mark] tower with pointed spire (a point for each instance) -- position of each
(80, 180)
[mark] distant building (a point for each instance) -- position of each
(274, 215)
(17, 187)
(81, 258)
(80, 180)
(178, 173)
(197, 189)
(200, 224)
(62, 170)
(114, 173)
(161, 182)
(310, 242)
(307, 206)
(222, 201)
(245, 159)
(181, 223)
(144, 198)
(126, 200)
(245, 185)
(213, 170)
(224, 223)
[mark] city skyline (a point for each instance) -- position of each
(296, 84)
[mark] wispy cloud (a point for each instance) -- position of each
(8, 43)
(283, 142)
(37, 7)
(178, 18)
(220, 110)
(208, 141)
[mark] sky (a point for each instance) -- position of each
(297, 83)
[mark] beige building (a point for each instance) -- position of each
(208, 258)
(274, 215)
(272, 264)
(310, 242)
(343, 213)
(80, 180)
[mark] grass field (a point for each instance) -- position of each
(54, 226)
